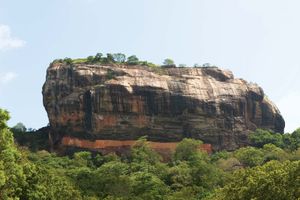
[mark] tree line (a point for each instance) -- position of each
(120, 58)
(269, 169)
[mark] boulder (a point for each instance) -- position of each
(123, 102)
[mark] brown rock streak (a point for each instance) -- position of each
(111, 144)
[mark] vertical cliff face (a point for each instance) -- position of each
(119, 102)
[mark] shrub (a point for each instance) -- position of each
(250, 156)
(272, 181)
(68, 60)
(261, 137)
(229, 164)
(119, 57)
(187, 150)
(168, 61)
(98, 57)
(132, 60)
(90, 59)
(110, 58)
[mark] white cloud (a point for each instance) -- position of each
(7, 77)
(7, 41)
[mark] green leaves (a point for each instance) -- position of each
(168, 61)
(180, 176)
(119, 57)
(188, 150)
(132, 60)
(11, 170)
(261, 137)
(287, 141)
(248, 173)
(272, 181)
(4, 117)
(148, 186)
(250, 156)
(141, 152)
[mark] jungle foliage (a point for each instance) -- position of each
(270, 169)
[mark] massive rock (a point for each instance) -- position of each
(119, 102)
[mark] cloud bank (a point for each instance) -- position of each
(7, 41)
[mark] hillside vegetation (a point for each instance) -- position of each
(120, 58)
(269, 169)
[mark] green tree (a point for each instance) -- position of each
(119, 57)
(112, 179)
(250, 156)
(132, 60)
(19, 127)
(43, 183)
(145, 159)
(197, 65)
(183, 194)
(148, 186)
(11, 170)
(295, 155)
(205, 175)
(296, 138)
(229, 164)
(68, 60)
(142, 152)
(272, 181)
(168, 61)
(180, 176)
(261, 137)
(110, 58)
(220, 155)
(272, 152)
(90, 59)
(86, 180)
(83, 159)
(188, 150)
(98, 57)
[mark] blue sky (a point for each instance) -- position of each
(258, 40)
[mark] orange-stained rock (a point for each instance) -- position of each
(119, 102)
(111, 145)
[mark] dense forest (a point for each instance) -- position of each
(268, 169)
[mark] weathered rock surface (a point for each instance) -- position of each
(126, 102)
(123, 146)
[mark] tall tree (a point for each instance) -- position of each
(132, 60)
(11, 171)
(168, 61)
(119, 57)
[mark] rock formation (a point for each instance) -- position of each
(121, 102)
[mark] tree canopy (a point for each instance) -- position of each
(268, 170)
(168, 61)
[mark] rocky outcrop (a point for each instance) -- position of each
(119, 102)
